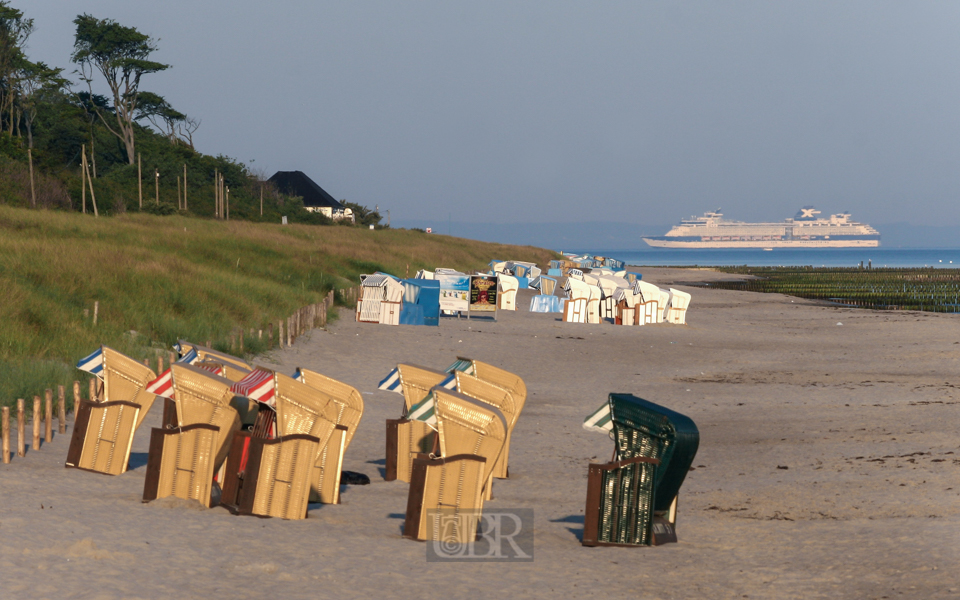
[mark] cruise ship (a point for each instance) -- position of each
(805, 230)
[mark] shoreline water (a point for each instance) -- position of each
(943, 258)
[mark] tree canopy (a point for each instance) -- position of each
(121, 55)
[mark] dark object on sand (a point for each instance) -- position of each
(353, 478)
(631, 501)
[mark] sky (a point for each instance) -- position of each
(560, 112)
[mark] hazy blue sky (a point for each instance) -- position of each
(637, 112)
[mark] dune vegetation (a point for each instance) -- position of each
(160, 278)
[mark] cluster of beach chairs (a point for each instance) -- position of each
(583, 289)
(254, 440)
(601, 294)
(261, 443)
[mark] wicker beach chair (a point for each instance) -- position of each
(103, 431)
(193, 445)
(204, 398)
(630, 502)
(277, 475)
(407, 438)
(471, 435)
(304, 410)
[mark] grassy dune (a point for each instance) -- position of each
(161, 278)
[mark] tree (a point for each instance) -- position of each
(155, 109)
(37, 82)
(362, 215)
(14, 31)
(93, 105)
(121, 55)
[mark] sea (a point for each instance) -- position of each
(941, 258)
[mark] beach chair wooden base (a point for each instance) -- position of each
(445, 500)
(406, 439)
(619, 507)
(275, 479)
(180, 463)
(102, 435)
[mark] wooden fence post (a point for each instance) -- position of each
(96, 310)
(48, 416)
(6, 435)
(280, 333)
(159, 365)
(36, 423)
(76, 398)
(241, 342)
(61, 410)
(93, 389)
(21, 429)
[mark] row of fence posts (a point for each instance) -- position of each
(42, 417)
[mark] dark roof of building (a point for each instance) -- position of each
(296, 183)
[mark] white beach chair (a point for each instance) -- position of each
(678, 307)
(575, 306)
(507, 287)
(648, 306)
(626, 307)
(381, 297)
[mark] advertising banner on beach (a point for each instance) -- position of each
(483, 293)
(454, 292)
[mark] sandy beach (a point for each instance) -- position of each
(829, 467)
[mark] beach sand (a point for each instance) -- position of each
(829, 467)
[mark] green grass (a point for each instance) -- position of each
(158, 279)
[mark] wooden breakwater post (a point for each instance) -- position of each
(21, 429)
(6, 435)
(36, 423)
(61, 410)
(48, 416)
(76, 398)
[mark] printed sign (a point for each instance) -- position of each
(454, 292)
(483, 293)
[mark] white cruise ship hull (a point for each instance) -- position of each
(805, 230)
(765, 244)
